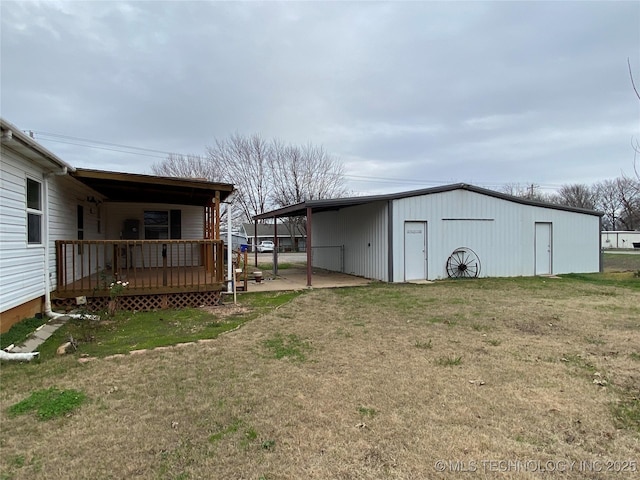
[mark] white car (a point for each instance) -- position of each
(265, 246)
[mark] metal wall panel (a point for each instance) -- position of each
(362, 231)
(502, 234)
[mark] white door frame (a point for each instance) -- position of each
(543, 248)
(413, 264)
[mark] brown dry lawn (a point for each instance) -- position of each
(391, 379)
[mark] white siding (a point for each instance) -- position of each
(21, 265)
(499, 231)
(65, 194)
(362, 231)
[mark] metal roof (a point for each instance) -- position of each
(132, 187)
(316, 206)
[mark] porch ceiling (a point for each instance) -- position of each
(130, 187)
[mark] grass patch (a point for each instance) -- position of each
(19, 332)
(424, 345)
(289, 346)
(127, 331)
(229, 429)
(367, 412)
(268, 444)
(627, 413)
(625, 280)
(49, 403)
(621, 262)
(268, 300)
(449, 361)
(493, 342)
(634, 356)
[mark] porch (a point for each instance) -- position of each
(157, 273)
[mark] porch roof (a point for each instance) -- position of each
(132, 187)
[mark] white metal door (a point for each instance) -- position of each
(415, 251)
(543, 249)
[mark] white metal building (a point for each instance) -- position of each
(454, 230)
(620, 239)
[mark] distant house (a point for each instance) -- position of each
(67, 233)
(450, 231)
(291, 235)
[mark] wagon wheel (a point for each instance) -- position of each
(463, 263)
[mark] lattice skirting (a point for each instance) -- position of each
(144, 302)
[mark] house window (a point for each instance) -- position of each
(34, 212)
(162, 224)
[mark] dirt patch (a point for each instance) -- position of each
(227, 310)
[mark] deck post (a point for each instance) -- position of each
(217, 218)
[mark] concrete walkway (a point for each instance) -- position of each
(296, 279)
(37, 338)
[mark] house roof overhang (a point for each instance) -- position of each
(316, 206)
(14, 139)
(136, 188)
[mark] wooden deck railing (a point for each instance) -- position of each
(88, 267)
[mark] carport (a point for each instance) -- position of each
(307, 209)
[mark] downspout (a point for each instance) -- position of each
(47, 248)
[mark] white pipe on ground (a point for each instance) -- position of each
(18, 357)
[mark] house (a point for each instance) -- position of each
(291, 235)
(620, 239)
(67, 233)
(450, 231)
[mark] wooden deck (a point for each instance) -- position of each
(140, 282)
(157, 273)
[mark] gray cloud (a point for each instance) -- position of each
(480, 92)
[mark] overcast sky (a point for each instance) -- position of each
(406, 94)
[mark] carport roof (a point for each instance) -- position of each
(300, 209)
(131, 187)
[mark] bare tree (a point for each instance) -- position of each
(244, 161)
(608, 202)
(187, 166)
(265, 174)
(577, 195)
(529, 191)
(304, 173)
(629, 197)
(196, 166)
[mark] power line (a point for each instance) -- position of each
(99, 142)
(102, 145)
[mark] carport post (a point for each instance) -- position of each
(255, 241)
(275, 246)
(308, 246)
